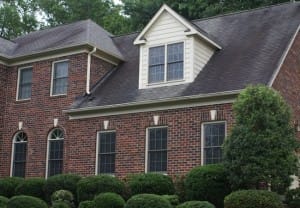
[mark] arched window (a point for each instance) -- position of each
(19, 153)
(55, 152)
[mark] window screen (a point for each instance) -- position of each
(175, 62)
(60, 78)
(25, 83)
(55, 157)
(19, 155)
(106, 152)
(156, 64)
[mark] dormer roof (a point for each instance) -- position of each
(191, 29)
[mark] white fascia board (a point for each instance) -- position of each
(283, 57)
(217, 99)
(165, 7)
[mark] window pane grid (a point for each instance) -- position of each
(19, 155)
(56, 149)
(107, 154)
(25, 83)
(214, 135)
(157, 150)
(175, 61)
(60, 78)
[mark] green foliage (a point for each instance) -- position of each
(8, 185)
(61, 204)
(196, 204)
(147, 201)
(87, 204)
(292, 198)
(151, 183)
(64, 196)
(31, 187)
(61, 182)
(26, 202)
(3, 201)
(109, 200)
(207, 183)
(260, 148)
(173, 199)
(252, 198)
(89, 187)
(17, 17)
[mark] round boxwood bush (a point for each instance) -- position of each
(173, 199)
(252, 198)
(147, 201)
(8, 186)
(207, 183)
(64, 196)
(292, 198)
(89, 187)
(26, 202)
(3, 201)
(31, 187)
(109, 200)
(151, 183)
(196, 204)
(87, 204)
(61, 204)
(60, 182)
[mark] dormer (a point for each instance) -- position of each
(172, 50)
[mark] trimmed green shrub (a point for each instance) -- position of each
(31, 187)
(173, 199)
(60, 204)
(109, 200)
(8, 185)
(151, 183)
(63, 196)
(196, 204)
(3, 201)
(26, 202)
(87, 204)
(252, 198)
(89, 187)
(207, 183)
(60, 182)
(292, 198)
(147, 201)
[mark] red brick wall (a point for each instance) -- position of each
(98, 69)
(38, 113)
(184, 139)
(287, 81)
(3, 70)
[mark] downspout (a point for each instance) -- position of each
(88, 71)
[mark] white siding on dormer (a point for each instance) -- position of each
(202, 53)
(166, 30)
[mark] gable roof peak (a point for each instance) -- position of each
(192, 29)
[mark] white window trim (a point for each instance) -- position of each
(165, 82)
(147, 148)
(18, 82)
(13, 153)
(52, 76)
(48, 146)
(97, 150)
(202, 136)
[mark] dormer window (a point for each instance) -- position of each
(165, 63)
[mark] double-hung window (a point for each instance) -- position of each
(212, 141)
(165, 63)
(55, 152)
(106, 155)
(157, 149)
(60, 75)
(25, 83)
(19, 154)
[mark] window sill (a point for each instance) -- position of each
(58, 95)
(166, 83)
(23, 100)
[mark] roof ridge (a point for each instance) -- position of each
(126, 34)
(244, 11)
(49, 28)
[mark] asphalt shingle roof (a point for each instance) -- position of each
(253, 43)
(78, 33)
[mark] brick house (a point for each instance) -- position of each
(76, 99)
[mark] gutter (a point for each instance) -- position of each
(165, 101)
(88, 71)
